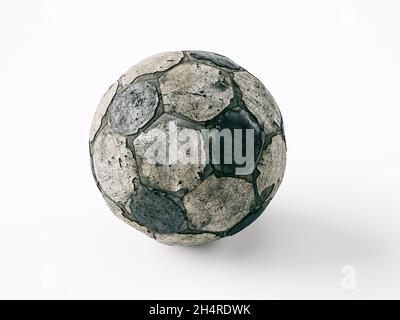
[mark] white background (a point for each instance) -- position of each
(332, 66)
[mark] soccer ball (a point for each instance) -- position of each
(187, 147)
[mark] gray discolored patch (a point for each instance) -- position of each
(259, 101)
(133, 108)
(272, 166)
(114, 165)
(217, 204)
(102, 109)
(186, 239)
(197, 91)
(218, 59)
(170, 154)
(156, 63)
(156, 211)
(119, 214)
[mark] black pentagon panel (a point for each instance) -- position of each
(216, 58)
(156, 211)
(244, 139)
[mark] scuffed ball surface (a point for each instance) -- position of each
(162, 107)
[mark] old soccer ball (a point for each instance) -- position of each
(187, 147)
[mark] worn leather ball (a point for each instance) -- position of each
(187, 147)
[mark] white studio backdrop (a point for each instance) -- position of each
(332, 231)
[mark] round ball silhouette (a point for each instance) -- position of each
(187, 147)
